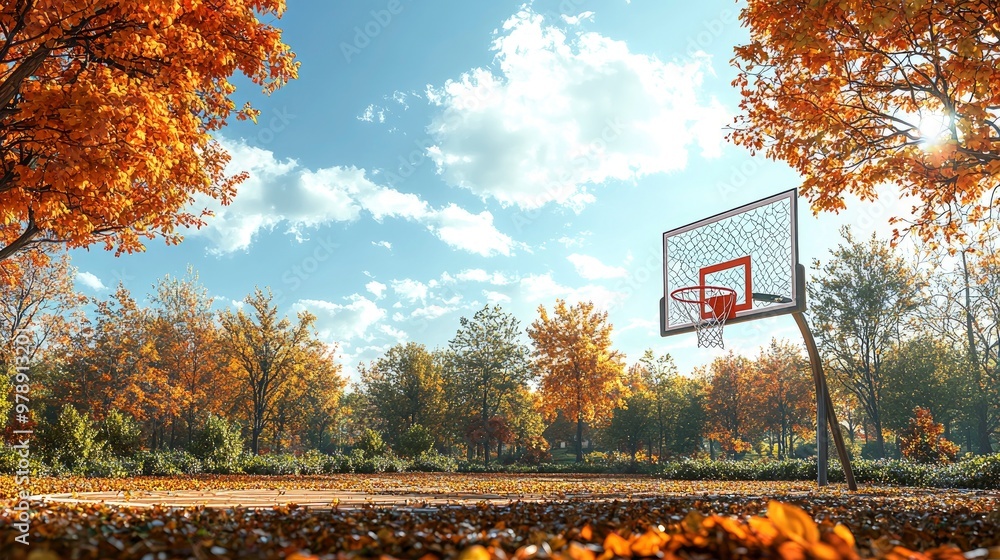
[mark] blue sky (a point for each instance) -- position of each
(436, 157)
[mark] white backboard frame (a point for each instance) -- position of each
(741, 246)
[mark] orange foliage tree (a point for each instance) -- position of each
(189, 354)
(858, 93)
(731, 404)
(107, 110)
(923, 441)
(784, 391)
(582, 376)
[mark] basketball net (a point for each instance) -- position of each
(708, 307)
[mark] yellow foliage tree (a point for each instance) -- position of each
(267, 351)
(107, 110)
(581, 374)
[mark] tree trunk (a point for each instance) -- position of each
(879, 437)
(983, 444)
(579, 439)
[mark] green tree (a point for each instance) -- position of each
(661, 377)
(633, 423)
(488, 366)
(965, 311)
(406, 388)
(121, 434)
(72, 440)
(414, 441)
(924, 372)
(859, 304)
(371, 444)
(218, 443)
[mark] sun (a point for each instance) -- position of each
(933, 127)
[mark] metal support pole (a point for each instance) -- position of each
(825, 413)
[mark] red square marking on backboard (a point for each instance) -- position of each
(735, 263)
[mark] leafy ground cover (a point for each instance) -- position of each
(581, 517)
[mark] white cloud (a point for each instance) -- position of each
(280, 193)
(474, 233)
(338, 322)
(575, 20)
(410, 290)
(384, 244)
(431, 312)
(591, 268)
(393, 332)
(376, 288)
(566, 113)
(91, 281)
(543, 288)
(494, 298)
(480, 275)
(578, 241)
(372, 114)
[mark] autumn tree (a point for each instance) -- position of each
(406, 387)
(108, 110)
(858, 94)
(267, 350)
(187, 342)
(524, 418)
(859, 304)
(923, 440)
(315, 402)
(488, 364)
(40, 297)
(785, 394)
(581, 374)
(730, 403)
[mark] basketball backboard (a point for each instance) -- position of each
(752, 249)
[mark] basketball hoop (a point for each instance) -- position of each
(709, 307)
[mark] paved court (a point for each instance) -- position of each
(269, 498)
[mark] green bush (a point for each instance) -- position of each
(11, 462)
(120, 434)
(432, 461)
(338, 463)
(282, 464)
(371, 444)
(169, 463)
(414, 441)
(70, 443)
(312, 462)
(219, 445)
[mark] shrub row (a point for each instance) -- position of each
(175, 463)
(982, 472)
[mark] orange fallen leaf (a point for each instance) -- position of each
(618, 546)
(577, 551)
(474, 552)
(843, 532)
(648, 544)
(793, 522)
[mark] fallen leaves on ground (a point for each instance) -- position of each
(687, 520)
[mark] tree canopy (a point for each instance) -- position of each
(107, 111)
(857, 94)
